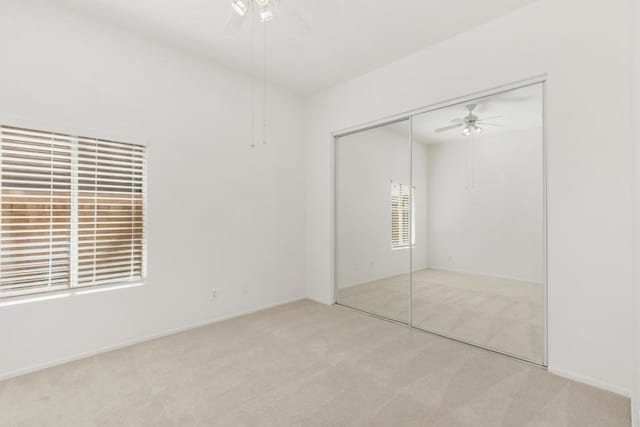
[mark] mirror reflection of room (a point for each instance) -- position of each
(484, 275)
(374, 219)
(447, 232)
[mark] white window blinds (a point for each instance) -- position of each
(110, 212)
(402, 216)
(35, 242)
(72, 211)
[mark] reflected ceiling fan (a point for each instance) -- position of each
(470, 124)
(266, 10)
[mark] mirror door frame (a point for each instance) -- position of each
(409, 115)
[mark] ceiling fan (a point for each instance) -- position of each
(470, 124)
(266, 10)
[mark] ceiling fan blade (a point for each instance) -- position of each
(484, 119)
(301, 25)
(458, 120)
(450, 127)
(491, 124)
(234, 24)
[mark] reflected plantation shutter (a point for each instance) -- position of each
(401, 216)
(72, 211)
(35, 245)
(110, 212)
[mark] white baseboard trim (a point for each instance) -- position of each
(321, 301)
(497, 276)
(62, 361)
(386, 276)
(591, 381)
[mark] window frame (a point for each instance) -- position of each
(75, 133)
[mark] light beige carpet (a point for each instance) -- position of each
(501, 314)
(304, 364)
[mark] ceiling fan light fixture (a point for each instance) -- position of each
(471, 129)
(266, 15)
(241, 7)
(263, 3)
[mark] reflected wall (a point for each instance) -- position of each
(373, 220)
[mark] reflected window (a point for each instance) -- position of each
(402, 216)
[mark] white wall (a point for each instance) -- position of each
(584, 48)
(369, 161)
(635, 20)
(221, 216)
(486, 205)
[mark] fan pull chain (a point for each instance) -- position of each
(264, 86)
(473, 162)
(253, 82)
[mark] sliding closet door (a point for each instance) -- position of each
(374, 229)
(478, 171)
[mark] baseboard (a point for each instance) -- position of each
(592, 382)
(387, 276)
(39, 367)
(444, 268)
(320, 301)
(497, 276)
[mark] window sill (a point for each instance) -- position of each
(399, 248)
(64, 293)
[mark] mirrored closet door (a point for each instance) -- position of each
(481, 277)
(441, 223)
(374, 220)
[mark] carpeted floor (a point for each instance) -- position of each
(501, 314)
(304, 364)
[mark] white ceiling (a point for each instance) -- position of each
(348, 38)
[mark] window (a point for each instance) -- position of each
(72, 212)
(402, 216)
